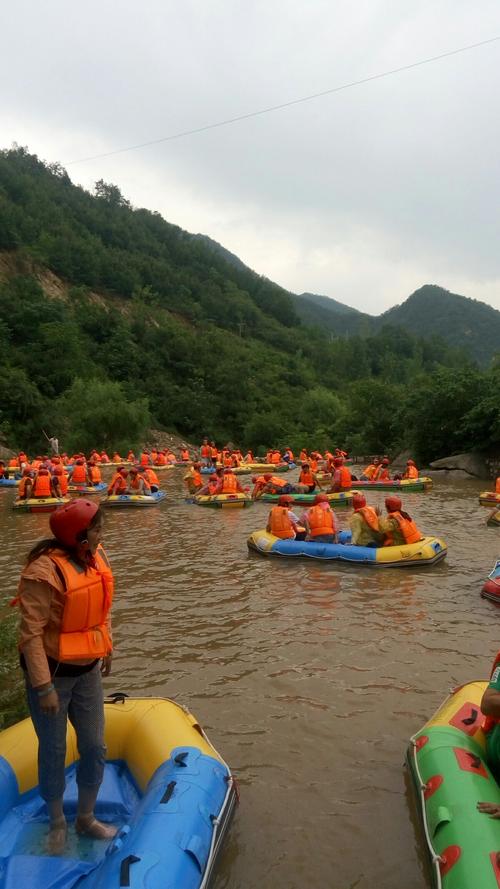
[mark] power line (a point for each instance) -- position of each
(329, 92)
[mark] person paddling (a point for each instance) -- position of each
(65, 595)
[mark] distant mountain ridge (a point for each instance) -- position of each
(431, 310)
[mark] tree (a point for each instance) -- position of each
(96, 413)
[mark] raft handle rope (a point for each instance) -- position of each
(436, 859)
(116, 697)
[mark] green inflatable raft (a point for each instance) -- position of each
(450, 775)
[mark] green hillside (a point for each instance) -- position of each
(112, 320)
(331, 315)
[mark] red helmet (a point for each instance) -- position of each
(285, 500)
(393, 504)
(358, 501)
(213, 478)
(386, 461)
(67, 522)
(267, 476)
(410, 462)
(321, 498)
(58, 470)
(337, 461)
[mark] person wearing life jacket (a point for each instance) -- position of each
(307, 479)
(364, 523)
(193, 479)
(320, 521)
(137, 482)
(65, 595)
(79, 476)
(211, 487)
(280, 523)
(185, 454)
(23, 459)
(398, 527)
(170, 457)
(2, 469)
(25, 485)
(288, 456)
(131, 457)
(42, 486)
(214, 453)
(118, 484)
(104, 458)
(259, 483)
(249, 457)
(116, 458)
(154, 455)
(13, 463)
(151, 479)
(275, 457)
(94, 474)
(370, 471)
(382, 473)
(411, 471)
(60, 481)
(230, 483)
(205, 453)
(342, 479)
(144, 458)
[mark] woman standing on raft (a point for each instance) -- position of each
(65, 595)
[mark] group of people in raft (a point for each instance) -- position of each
(368, 526)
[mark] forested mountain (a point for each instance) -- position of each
(462, 322)
(112, 319)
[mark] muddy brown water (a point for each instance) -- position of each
(309, 678)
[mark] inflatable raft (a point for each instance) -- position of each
(87, 489)
(450, 775)
(494, 518)
(491, 586)
(130, 500)
(39, 504)
(11, 482)
(405, 485)
(489, 498)
(426, 552)
(165, 787)
(223, 501)
(336, 501)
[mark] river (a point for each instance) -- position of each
(309, 678)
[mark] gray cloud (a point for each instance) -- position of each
(363, 195)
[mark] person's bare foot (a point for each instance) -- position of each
(89, 826)
(56, 838)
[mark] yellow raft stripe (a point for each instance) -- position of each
(471, 693)
(141, 731)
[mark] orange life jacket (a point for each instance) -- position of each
(185, 455)
(229, 484)
(196, 477)
(377, 472)
(63, 483)
(281, 525)
(214, 453)
(345, 477)
(36, 464)
(383, 475)
(118, 484)
(151, 477)
(104, 458)
(303, 456)
(131, 456)
(13, 463)
(212, 487)
(205, 450)
(491, 721)
(88, 598)
(41, 485)
(408, 529)
(79, 475)
(144, 461)
(370, 471)
(290, 454)
(277, 482)
(137, 482)
(370, 517)
(161, 460)
(21, 491)
(275, 457)
(497, 486)
(95, 474)
(320, 521)
(313, 463)
(306, 478)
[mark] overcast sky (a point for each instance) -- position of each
(363, 195)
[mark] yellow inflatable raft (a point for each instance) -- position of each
(39, 504)
(224, 501)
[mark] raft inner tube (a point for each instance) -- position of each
(491, 586)
(336, 501)
(447, 762)
(408, 485)
(165, 787)
(11, 482)
(132, 500)
(223, 501)
(489, 498)
(40, 504)
(426, 552)
(87, 489)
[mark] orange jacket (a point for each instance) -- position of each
(408, 528)
(277, 482)
(95, 474)
(343, 477)
(116, 458)
(41, 485)
(303, 456)
(497, 486)
(280, 522)
(370, 517)
(229, 484)
(370, 471)
(161, 460)
(89, 594)
(306, 478)
(412, 472)
(63, 483)
(185, 455)
(320, 521)
(205, 450)
(275, 457)
(151, 477)
(21, 491)
(144, 460)
(118, 484)
(79, 475)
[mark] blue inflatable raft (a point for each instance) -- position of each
(165, 787)
(427, 551)
(11, 482)
(132, 500)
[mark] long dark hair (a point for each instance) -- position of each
(48, 544)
